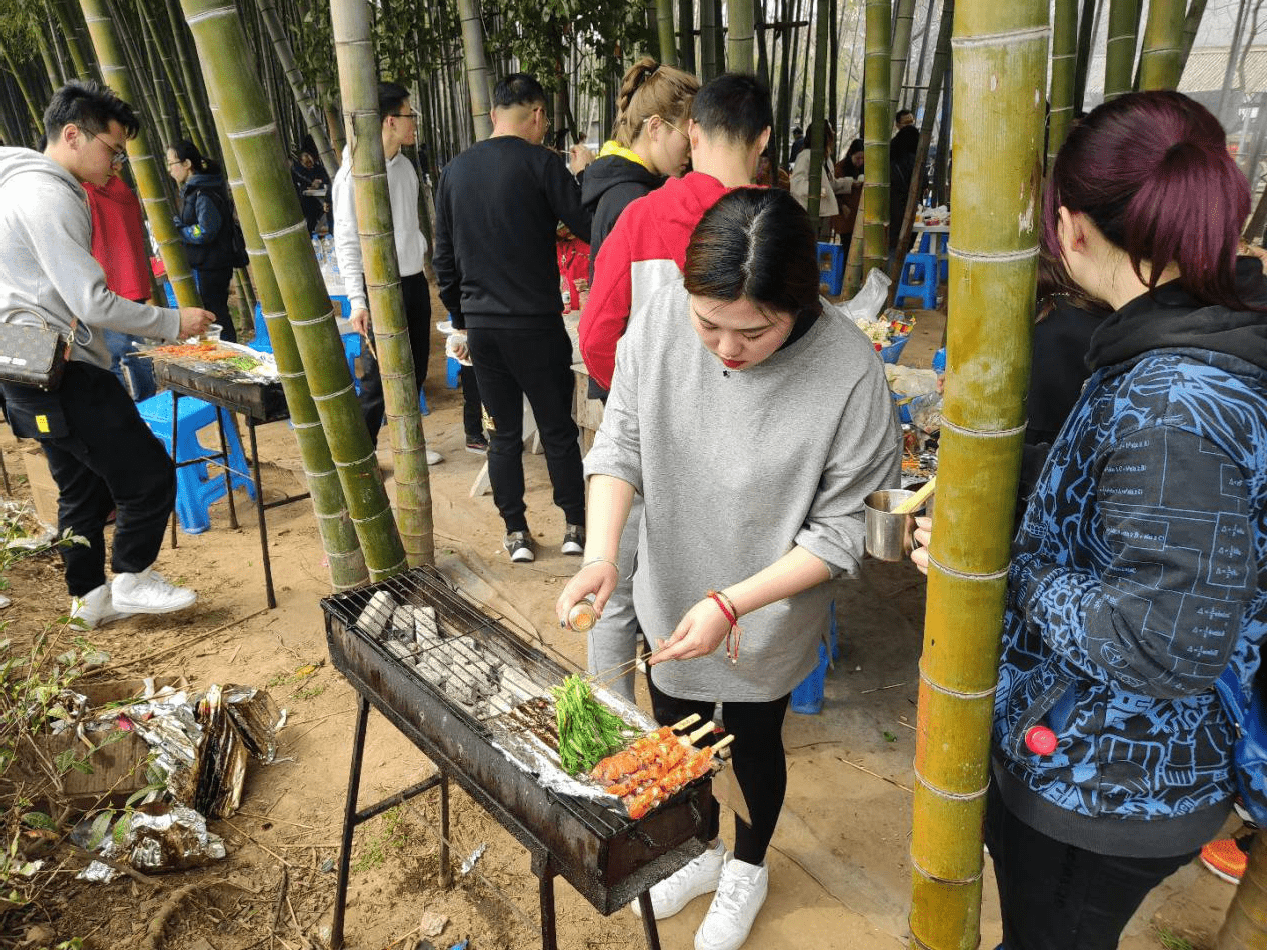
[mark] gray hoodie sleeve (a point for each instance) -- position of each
(55, 226)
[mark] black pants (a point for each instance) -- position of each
(213, 287)
(756, 755)
(418, 316)
(472, 414)
(512, 364)
(1056, 896)
(103, 458)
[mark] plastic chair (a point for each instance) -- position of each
(807, 697)
(918, 280)
(261, 341)
(833, 275)
(196, 487)
(453, 370)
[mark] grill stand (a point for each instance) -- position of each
(542, 862)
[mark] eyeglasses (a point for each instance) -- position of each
(675, 129)
(406, 115)
(544, 117)
(118, 155)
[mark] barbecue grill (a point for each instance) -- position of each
(472, 695)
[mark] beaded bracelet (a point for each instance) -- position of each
(727, 607)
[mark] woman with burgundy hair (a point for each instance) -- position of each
(1135, 579)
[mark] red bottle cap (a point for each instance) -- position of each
(1040, 740)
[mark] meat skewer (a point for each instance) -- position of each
(658, 761)
(695, 766)
(639, 753)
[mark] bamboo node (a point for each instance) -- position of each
(334, 395)
(193, 18)
(1003, 257)
(963, 575)
(963, 882)
(953, 796)
(947, 691)
(1011, 38)
(299, 225)
(985, 433)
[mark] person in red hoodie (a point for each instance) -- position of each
(645, 250)
(120, 247)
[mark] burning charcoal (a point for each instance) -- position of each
(399, 650)
(402, 625)
(376, 615)
(515, 684)
(425, 618)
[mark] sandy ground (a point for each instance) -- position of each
(839, 868)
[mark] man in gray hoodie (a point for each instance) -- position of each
(100, 452)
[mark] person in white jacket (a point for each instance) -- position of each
(829, 186)
(400, 127)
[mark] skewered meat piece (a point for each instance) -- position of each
(673, 754)
(641, 752)
(695, 766)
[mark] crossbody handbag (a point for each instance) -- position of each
(1249, 755)
(33, 355)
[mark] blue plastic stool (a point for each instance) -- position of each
(807, 697)
(926, 247)
(834, 273)
(196, 488)
(453, 370)
(261, 341)
(918, 280)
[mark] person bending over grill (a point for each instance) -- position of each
(753, 418)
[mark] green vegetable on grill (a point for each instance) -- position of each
(588, 731)
(245, 363)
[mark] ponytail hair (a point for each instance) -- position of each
(1152, 171)
(651, 89)
(758, 244)
(187, 151)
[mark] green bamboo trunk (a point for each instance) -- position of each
(148, 166)
(1161, 60)
(23, 87)
(664, 28)
(901, 49)
(1000, 74)
(1191, 23)
(707, 40)
(741, 48)
(476, 68)
(1087, 25)
(338, 537)
(200, 128)
(818, 110)
(308, 108)
(66, 23)
(1119, 61)
(686, 35)
(1064, 62)
(358, 86)
(228, 69)
(1245, 926)
(877, 122)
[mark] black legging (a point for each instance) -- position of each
(756, 755)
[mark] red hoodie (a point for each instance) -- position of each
(118, 238)
(644, 251)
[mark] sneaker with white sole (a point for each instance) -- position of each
(95, 608)
(148, 593)
(518, 545)
(697, 877)
(434, 457)
(740, 894)
(574, 540)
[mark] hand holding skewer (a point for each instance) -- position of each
(704, 628)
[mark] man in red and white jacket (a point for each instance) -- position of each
(730, 125)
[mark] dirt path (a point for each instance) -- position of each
(839, 867)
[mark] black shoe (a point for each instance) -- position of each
(477, 444)
(518, 545)
(574, 540)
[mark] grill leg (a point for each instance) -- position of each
(349, 823)
(228, 472)
(648, 921)
(543, 867)
(446, 876)
(259, 515)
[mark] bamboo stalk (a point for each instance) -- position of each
(877, 122)
(1161, 60)
(1088, 23)
(23, 87)
(66, 23)
(1119, 59)
(686, 34)
(1245, 926)
(253, 136)
(1000, 69)
(1064, 60)
(476, 68)
(664, 28)
(818, 109)
(147, 166)
(903, 19)
(1191, 23)
(355, 52)
(740, 37)
(307, 106)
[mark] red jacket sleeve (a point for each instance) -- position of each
(606, 313)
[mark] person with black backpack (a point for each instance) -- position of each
(213, 242)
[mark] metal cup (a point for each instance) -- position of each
(888, 535)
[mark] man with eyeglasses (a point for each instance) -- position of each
(497, 207)
(101, 454)
(400, 128)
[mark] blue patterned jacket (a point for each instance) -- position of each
(1139, 572)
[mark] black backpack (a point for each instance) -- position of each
(228, 214)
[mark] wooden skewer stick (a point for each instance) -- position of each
(701, 732)
(690, 720)
(915, 501)
(722, 743)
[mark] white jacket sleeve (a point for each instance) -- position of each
(347, 242)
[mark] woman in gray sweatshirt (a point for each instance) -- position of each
(753, 418)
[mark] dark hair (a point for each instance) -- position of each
(518, 89)
(1152, 171)
(902, 112)
(90, 106)
(734, 105)
(826, 126)
(391, 96)
(187, 151)
(855, 147)
(758, 244)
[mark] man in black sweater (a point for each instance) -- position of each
(497, 207)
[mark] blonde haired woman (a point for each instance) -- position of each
(648, 144)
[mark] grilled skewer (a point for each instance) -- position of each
(695, 766)
(644, 751)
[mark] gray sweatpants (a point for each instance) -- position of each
(613, 641)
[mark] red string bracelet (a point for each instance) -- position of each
(727, 607)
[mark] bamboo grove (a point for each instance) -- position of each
(248, 80)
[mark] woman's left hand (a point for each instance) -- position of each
(699, 633)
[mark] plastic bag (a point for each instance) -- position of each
(871, 299)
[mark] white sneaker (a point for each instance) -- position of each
(740, 894)
(148, 593)
(95, 608)
(698, 877)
